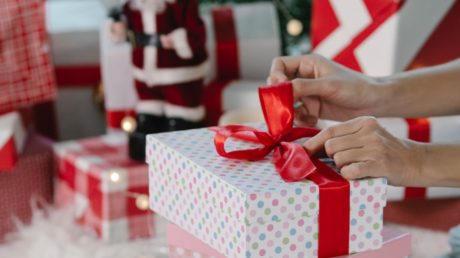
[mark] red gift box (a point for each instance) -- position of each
(30, 183)
(384, 37)
(27, 76)
(109, 191)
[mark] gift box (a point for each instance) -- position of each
(28, 186)
(27, 78)
(244, 52)
(260, 208)
(181, 244)
(108, 190)
(385, 37)
(12, 140)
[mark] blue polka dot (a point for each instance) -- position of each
(231, 245)
(308, 245)
(230, 194)
(275, 218)
(262, 237)
(278, 249)
(353, 222)
(362, 206)
(298, 191)
(260, 204)
(368, 235)
(293, 231)
(248, 254)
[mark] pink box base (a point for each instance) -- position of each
(181, 244)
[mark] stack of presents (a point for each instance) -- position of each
(223, 191)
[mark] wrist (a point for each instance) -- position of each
(385, 90)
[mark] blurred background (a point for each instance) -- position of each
(65, 78)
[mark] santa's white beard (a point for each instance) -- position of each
(150, 5)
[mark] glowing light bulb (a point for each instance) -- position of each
(114, 176)
(142, 202)
(128, 124)
(294, 27)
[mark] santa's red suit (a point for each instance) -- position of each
(168, 78)
(168, 81)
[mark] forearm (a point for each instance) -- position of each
(439, 165)
(424, 92)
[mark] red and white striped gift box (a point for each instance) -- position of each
(26, 73)
(435, 130)
(109, 191)
(12, 139)
(239, 47)
(29, 185)
(384, 37)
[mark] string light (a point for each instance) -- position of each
(114, 176)
(142, 202)
(128, 124)
(294, 27)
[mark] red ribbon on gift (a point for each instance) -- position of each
(294, 164)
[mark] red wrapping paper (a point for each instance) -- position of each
(105, 187)
(30, 182)
(26, 73)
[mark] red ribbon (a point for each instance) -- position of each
(419, 130)
(294, 164)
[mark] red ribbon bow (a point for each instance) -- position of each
(294, 164)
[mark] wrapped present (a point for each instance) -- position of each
(29, 185)
(385, 37)
(73, 28)
(184, 245)
(298, 205)
(236, 54)
(27, 78)
(437, 214)
(108, 190)
(12, 140)
(435, 130)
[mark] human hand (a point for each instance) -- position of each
(326, 89)
(362, 148)
(119, 31)
(166, 42)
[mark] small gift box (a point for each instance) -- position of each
(109, 191)
(296, 206)
(12, 139)
(28, 185)
(27, 75)
(181, 244)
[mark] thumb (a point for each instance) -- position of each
(308, 87)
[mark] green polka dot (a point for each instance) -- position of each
(312, 205)
(255, 246)
(376, 226)
(291, 200)
(315, 235)
(267, 211)
(285, 240)
(370, 181)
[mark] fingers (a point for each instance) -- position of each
(357, 170)
(289, 67)
(309, 87)
(317, 142)
(343, 143)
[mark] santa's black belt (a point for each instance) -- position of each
(139, 39)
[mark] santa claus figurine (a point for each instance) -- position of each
(169, 64)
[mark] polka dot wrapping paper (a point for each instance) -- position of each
(244, 208)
